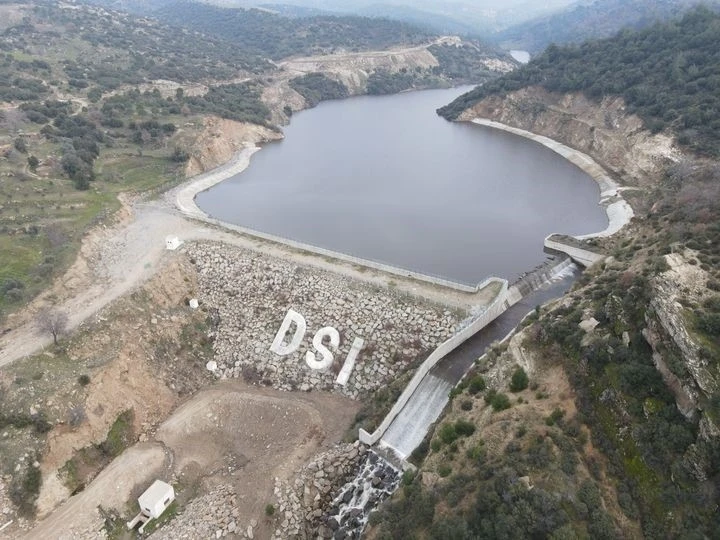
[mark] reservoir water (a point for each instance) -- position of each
(386, 179)
(521, 56)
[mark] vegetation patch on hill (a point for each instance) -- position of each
(76, 129)
(277, 37)
(667, 74)
(317, 87)
(591, 20)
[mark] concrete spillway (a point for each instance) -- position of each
(426, 404)
(410, 427)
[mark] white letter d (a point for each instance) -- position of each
(278, 347)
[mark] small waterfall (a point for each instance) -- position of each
(554, 269)
(404, 436)
(374, 482)
(377, 478)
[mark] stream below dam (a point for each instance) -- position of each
(377, 477)
(426, 404)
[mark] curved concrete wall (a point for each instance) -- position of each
(618, 211)
(581, 256)
(494, 310)
(185, 203)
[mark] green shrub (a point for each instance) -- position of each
(466, 404)
(555, 417)
(710, 323)
(269, 509)
(463, 428)
(84, 380)
(713, 303)
(444, 470)
(408, 477)
(477, 452)
(519, 380)
(24, 490)
(447, 433)
(477, 384)
(500, 402)
(120, 435)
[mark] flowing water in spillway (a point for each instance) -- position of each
(377, 478)
(386, 179)
(427, 402)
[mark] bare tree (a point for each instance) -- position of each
(53, 322)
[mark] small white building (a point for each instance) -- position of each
(153, 502)
(172, 242)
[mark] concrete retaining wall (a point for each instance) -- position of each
(494, 310)
(185, 203)
(618, 211)
(580, 256)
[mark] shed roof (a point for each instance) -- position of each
(158, 491)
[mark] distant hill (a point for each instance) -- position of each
(291, 10)
(669, 74)
(277, 37)
(138, 7)
(467, 18)
(436, 22)
(591, 20)
(428, 20)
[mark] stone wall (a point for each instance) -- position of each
(252, 294)
(304, 503)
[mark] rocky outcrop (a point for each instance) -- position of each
(683, 281)
(676, 353)
(332, 496)
(252, 293)
(353, 69)
(222, 139)
(685, 391)
(615, 139)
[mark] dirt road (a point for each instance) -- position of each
(228, 434)
(79, 517)
(115, 260)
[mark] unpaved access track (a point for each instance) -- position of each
(116, 259)
(231, 434)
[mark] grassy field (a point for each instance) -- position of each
(43, 217)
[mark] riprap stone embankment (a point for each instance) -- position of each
(304, 503)
(252, 293)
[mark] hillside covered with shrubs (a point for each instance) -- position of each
(276, 37)
(594, 19)
(593, 443)
(667, 74)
